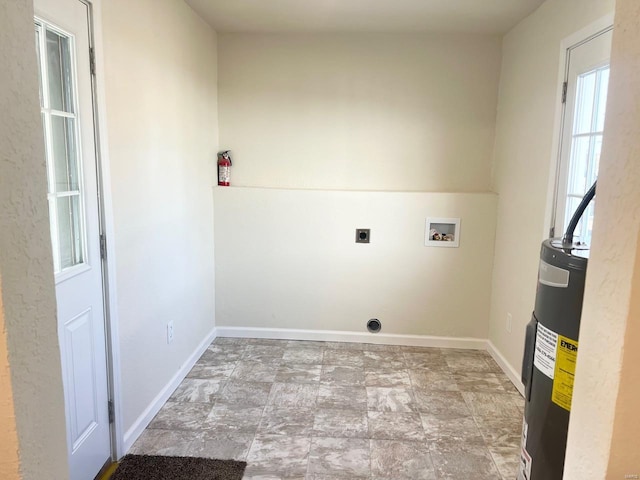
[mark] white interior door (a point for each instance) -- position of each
(63, 43)
(586, 85)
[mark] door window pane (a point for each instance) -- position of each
(579, 164)
(64, 154)
(586, 144)
(59, 72)
(602, 99)
(69, 231)
(38, 33)
(584, 103)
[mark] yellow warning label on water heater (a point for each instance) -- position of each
(565, 371)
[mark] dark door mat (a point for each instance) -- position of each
(152, 467)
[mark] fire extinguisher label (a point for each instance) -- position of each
(545, 352)
(223, 174)
(565, 371)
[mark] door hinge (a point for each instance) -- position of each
(112, 413)
(565, 85)
(92, 61)
(552, 232)
(103, 246)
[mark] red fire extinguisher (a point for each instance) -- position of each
(224, 168)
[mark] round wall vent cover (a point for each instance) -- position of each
(374, 325)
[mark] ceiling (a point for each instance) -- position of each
(472, 16)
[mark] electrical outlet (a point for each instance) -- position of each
(508, 325)
(170, 332)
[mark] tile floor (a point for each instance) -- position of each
(300, 410)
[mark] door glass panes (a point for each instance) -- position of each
(59, 72)
(64, 154)
(586, 144)
(60, 125)
(69, 231)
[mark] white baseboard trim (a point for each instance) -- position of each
(509, 371)
(156, 404)
(358, 337)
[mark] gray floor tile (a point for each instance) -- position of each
(164, 442)
(212, 372)
(279, 455)
(451, 429)
(345, 397)
(210, 357)
(507, 461)
(306, 344)
(491, 404)
(378, 347)
(464, 352)
(343, 357)
(441, 403)
(233, 446)
(340, 423)
(335, 477)
(478, 382)
(274, 477)
(234, 419)
(296, 422)
(435, 380)
(271, 342)
(433, 360)
(395, 426)
(224, 349)
(344, 346)
(417, 349)
(374, 377)
(181, 416)
(342, 375)
(297, 356)
(348, 457)
(263, 354)
(465, 363)
(197, 390)
(391, 399)
(503, 432)
(384, 359)
(305, 373)
(244, 393)
(401, 460)
(460, 460)
(293, 395)
(252, 371)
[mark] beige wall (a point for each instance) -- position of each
(337, 113)
(604, 426)
(9, 461)
(288, 259)
(523, 159)
(359, 112)
(26, 264)
(160, 69)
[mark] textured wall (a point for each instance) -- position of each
(605, 445)
(9, 461)
(26, 264)
(160, 82)
(360, 112)
(524, 154)
(288, 259)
